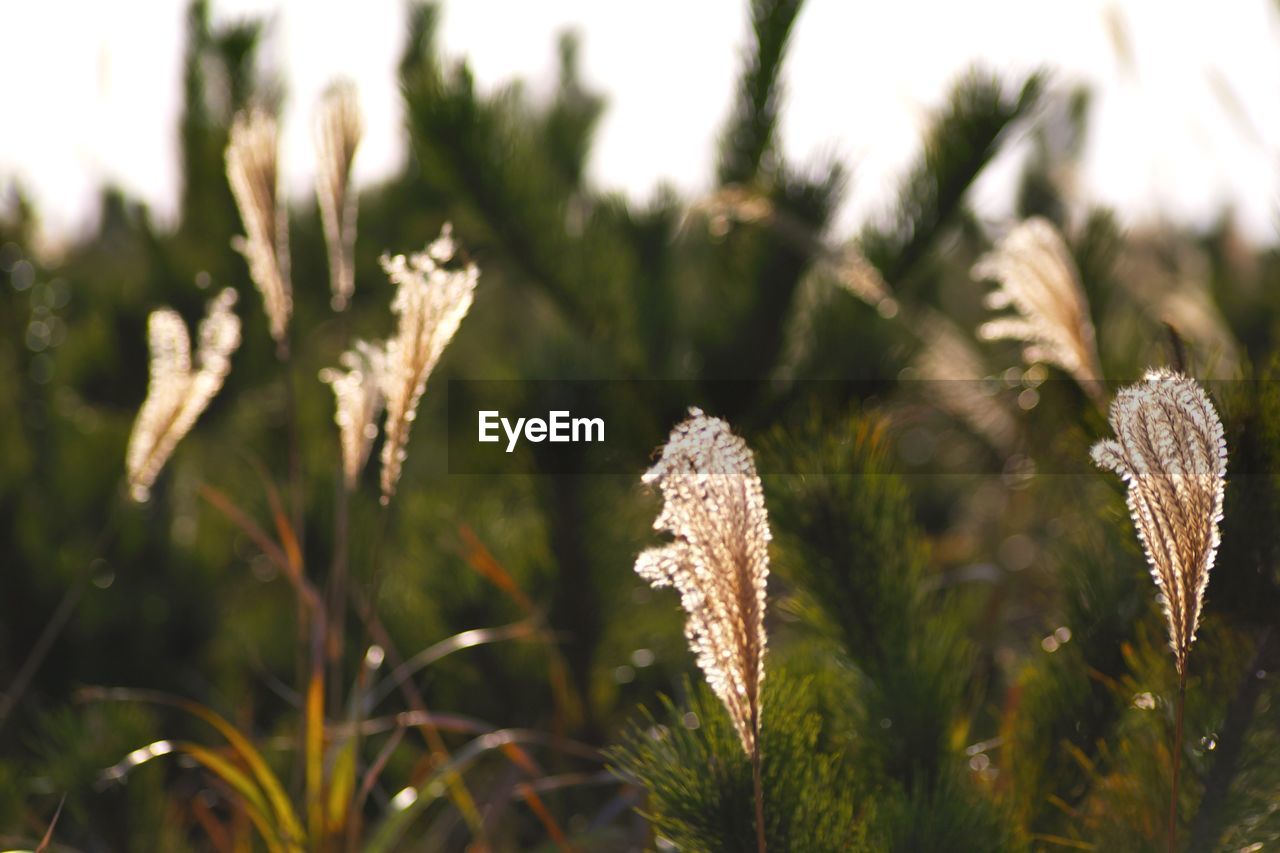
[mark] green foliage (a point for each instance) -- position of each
(691, 762)
(961, 657)
(747, 146)
(965, 136)
(850, 548)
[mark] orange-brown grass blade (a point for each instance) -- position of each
(53, 823)
(221, 502)
(218, 833)
(522, 759)
(480, 559)
(288, 538)
(543, 814)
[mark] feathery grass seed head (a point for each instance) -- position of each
(176, 395)
(1169, 449)
(1038, 280)
(358, 395)
(338, 130)
(433, 296)
(253, 172)
(713, 506)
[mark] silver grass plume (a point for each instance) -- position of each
(177, 394)
(358, 394)
(430, 301)
(1038, 279)
(1170, 451)
(338, 130)
(729, 205)
(859, 277)
(955, 375)
(713, 506)
(847, 265)
(253, 172)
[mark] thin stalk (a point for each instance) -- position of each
(757, 786)
(304, 640)
(1177, 761)
(440, 755)
(377, 633)
(314, 716)
(295, 453)
(341, 560)
(338, 588)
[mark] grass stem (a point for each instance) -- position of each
(1177, 762)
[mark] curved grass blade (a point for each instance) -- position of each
(275, 793)
(416, 799)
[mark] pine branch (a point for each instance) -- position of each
(965, 137)
(1208, 823)
(748, 138)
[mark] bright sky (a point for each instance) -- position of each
(1188, 125)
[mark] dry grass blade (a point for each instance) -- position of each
(1169, 449)
(338, 129)
(481, 560)
(47, 839)
(432, 298)
(1038, 279)
(254, 175)
(179, 392)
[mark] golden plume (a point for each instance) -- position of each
(338, 129)
(713, 506)
(1170, 451)
(176, 395)
(253, 172)
(431, 301)
(1038, 279)
(953, 371)
(358, 396)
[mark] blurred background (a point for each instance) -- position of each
(766, 192)
(1182, 120)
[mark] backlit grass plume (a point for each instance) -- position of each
(338, 129)
(1170, 451)
(719, 561)
(253, 172)
(178, 393)
(433, 296)
(713, 506)
(358, 393)
(1038, 279)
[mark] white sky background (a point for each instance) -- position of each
(91, 91)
